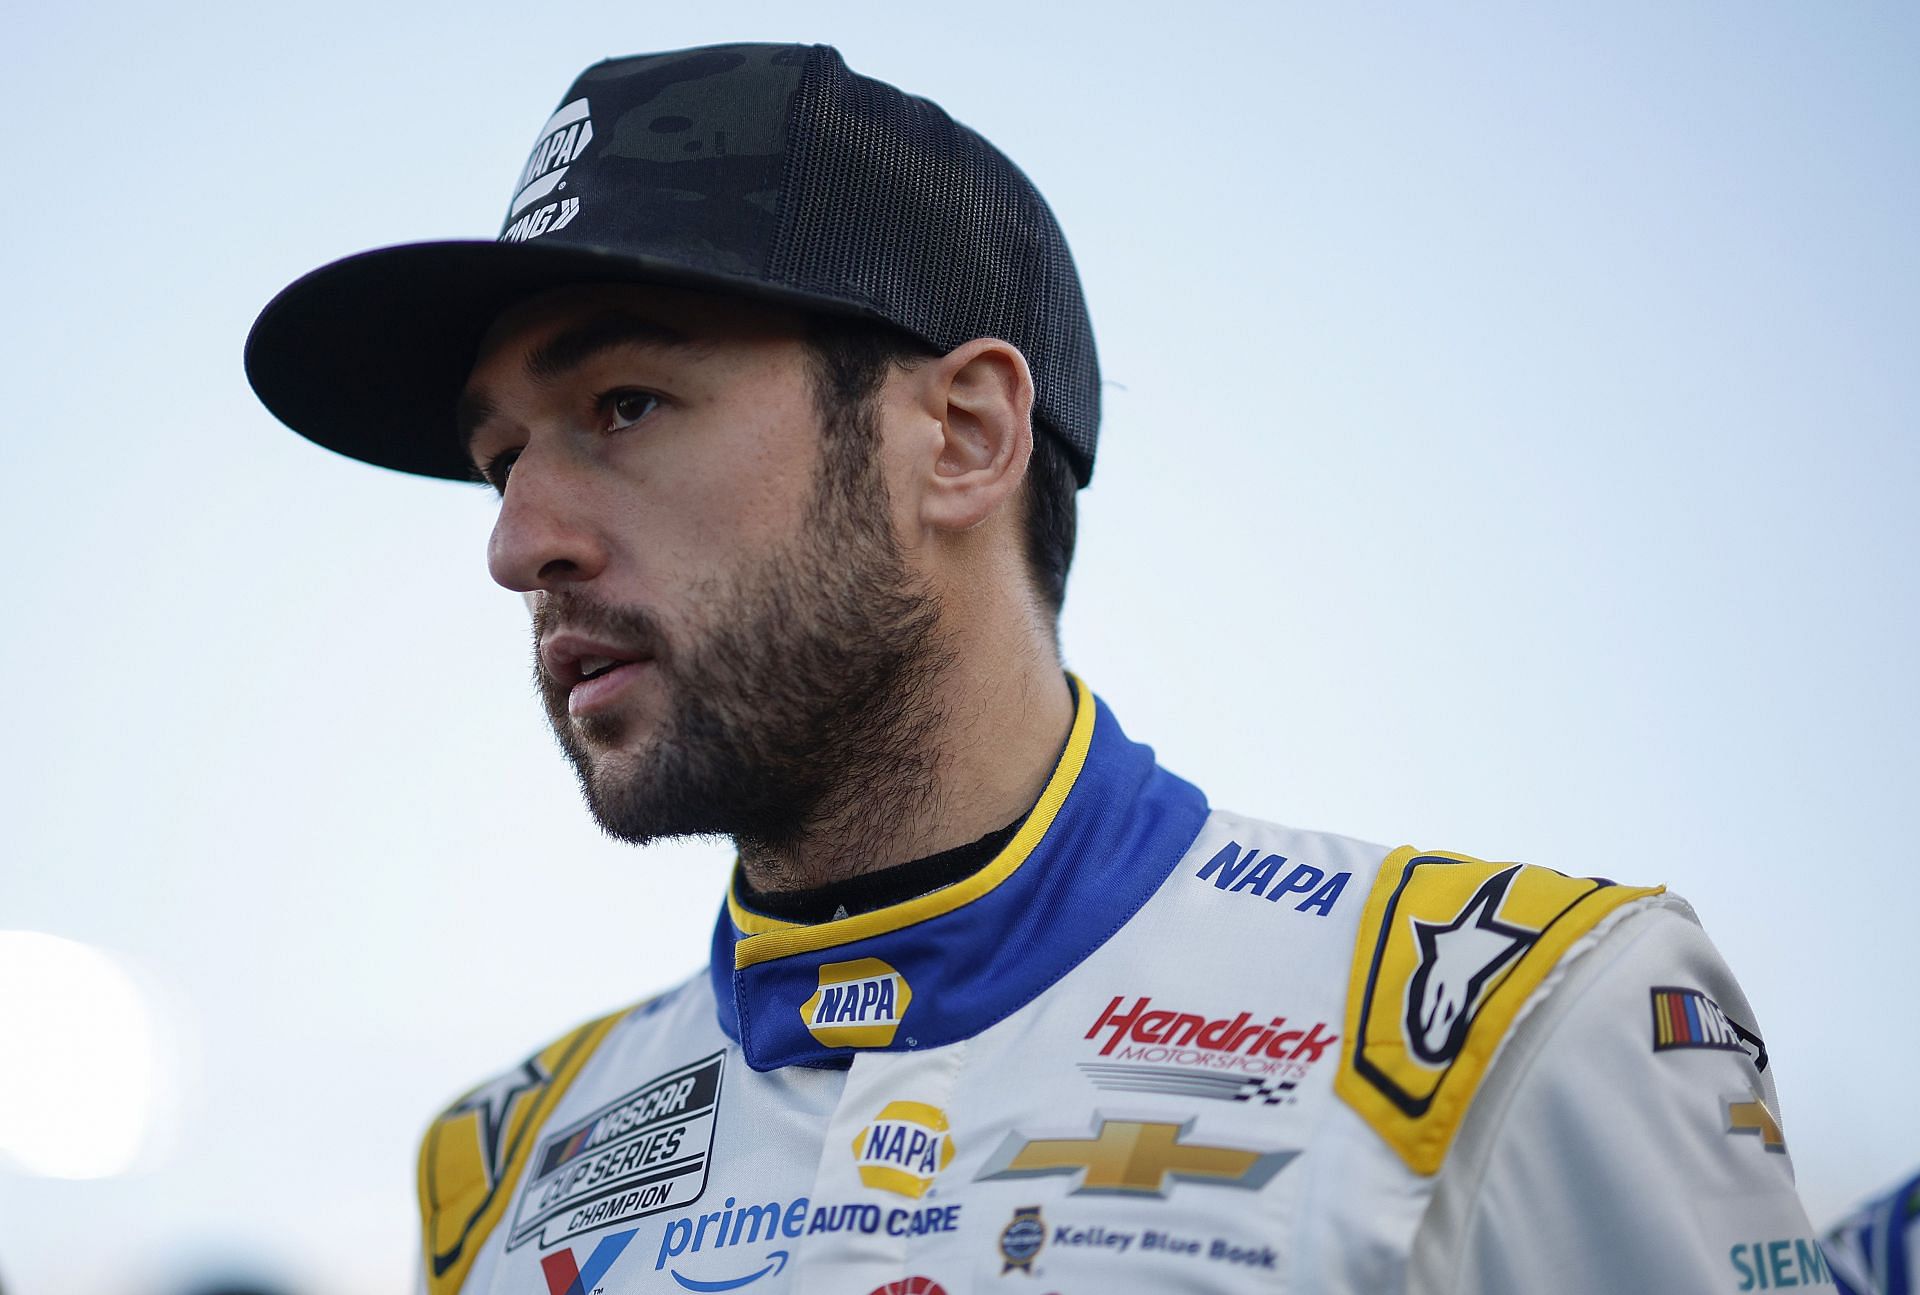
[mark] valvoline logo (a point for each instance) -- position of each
(905, 1146)
(564, 1274)
(858, 1004)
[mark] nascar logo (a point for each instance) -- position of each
(905, 1146)
(645, 1153)
(1687, 1018)
(858, 1004)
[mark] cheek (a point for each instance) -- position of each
(756, 478)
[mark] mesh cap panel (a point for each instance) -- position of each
(891, 202)
(766, 171)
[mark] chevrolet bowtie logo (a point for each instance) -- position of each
(1134, 1158)
(1754, 1117)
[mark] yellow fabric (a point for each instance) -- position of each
(1515, 935)
(768, 938)
(464, 1183)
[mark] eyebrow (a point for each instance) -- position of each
(566, 351)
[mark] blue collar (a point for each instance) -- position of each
(1105, 833)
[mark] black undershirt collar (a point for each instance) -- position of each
(869, 891)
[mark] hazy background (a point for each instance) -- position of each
(1510, 448)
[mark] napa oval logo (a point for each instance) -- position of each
(904, 1147)
(538, 205)
(859, 1004)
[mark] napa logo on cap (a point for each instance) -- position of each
(905, 1146)
(562, 140)
(859, 1004)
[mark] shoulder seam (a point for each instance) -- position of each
(504, 1138)
(1531, 1032)
(1448, 952)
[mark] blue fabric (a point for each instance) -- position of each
(1122, 828)
(1845, 1287)
(1876, 1236)
(1894, 1219)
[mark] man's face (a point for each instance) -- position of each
(726, 636)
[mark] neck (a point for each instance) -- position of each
(993, 722)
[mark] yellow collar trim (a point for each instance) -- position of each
(767, 938)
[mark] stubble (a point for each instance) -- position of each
(800, 710)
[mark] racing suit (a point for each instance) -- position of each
(1876, 1249)
(1150, 1046)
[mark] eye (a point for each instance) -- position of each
(623, 409)
(495, 470)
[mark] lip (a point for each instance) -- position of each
(601, 691)
(562, 655)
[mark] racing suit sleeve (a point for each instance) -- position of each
(1626, 1138)
(1876, 1249)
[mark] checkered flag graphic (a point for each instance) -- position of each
(1270, 1093)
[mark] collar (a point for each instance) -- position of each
(870, 890)
(1106, 831)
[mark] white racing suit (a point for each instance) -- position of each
(1151, 1047)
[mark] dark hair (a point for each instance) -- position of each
(851, 359)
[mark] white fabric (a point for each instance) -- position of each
(1588, 1162)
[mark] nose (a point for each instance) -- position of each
(545, 536)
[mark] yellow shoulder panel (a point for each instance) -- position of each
(1449, 949)
(474, 1152)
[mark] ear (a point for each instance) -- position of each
(981, 397)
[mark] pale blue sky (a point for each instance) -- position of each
(1510, 448)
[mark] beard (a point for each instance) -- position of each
(803, 697)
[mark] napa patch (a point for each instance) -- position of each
(858, 1004)
(903, 1148)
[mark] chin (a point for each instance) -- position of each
(629, 730)
(612, 768)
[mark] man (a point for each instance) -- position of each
(1875, 1250)
(786, 383)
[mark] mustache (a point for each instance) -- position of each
(633, 629)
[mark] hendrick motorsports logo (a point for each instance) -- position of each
(859, 1004)
(642, 1154)
(1185, 1054)
(905, 1146)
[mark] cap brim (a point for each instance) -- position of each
(367, 355)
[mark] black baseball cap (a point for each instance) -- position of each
(766, 171)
